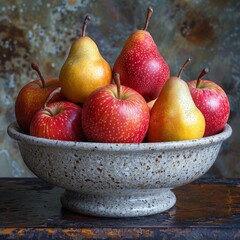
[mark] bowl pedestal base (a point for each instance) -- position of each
(118, 203)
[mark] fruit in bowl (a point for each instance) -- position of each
(32, 97)
(115, 114)
(174, 115)
(84, 69)
(212, 101)
(118, 179)
(117, 173)
(140, 64)
(59, 120)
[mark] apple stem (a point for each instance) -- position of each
(118, 83)
(149, 14)
(183, 67)
(203, 72)
(50, 96)
(36, 68)
(49, 110)
(84, 27)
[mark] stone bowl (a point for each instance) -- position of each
(118, 180)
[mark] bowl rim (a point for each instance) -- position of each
(14, 132)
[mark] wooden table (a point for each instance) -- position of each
(205, 209)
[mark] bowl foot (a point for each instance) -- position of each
(119, 204)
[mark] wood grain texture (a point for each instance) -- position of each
(205, 209)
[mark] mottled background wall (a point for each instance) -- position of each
(42, 31)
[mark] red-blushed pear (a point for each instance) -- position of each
(115, 114)
(141, 65)
(174, 116)
(212, 101)
(58, 120)
(32, 97)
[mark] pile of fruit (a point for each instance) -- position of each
(137, 100)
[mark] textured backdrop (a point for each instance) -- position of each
(207, 31)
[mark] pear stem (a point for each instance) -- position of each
(118, 83)
(183, 67)
(84, 27)
(50, 96)
(36, 68)
(203, 72)
(149, 14)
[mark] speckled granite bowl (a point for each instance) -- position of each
(118, 180)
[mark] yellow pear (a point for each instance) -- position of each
(174, 115)
(84, 69)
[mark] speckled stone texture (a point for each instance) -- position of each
(119, 203)
(42, 31)
(118, 180)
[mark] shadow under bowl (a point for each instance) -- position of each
(118, 180)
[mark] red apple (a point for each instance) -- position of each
(115, 114)
(212, 101)
(32, 97)
(58, 120)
